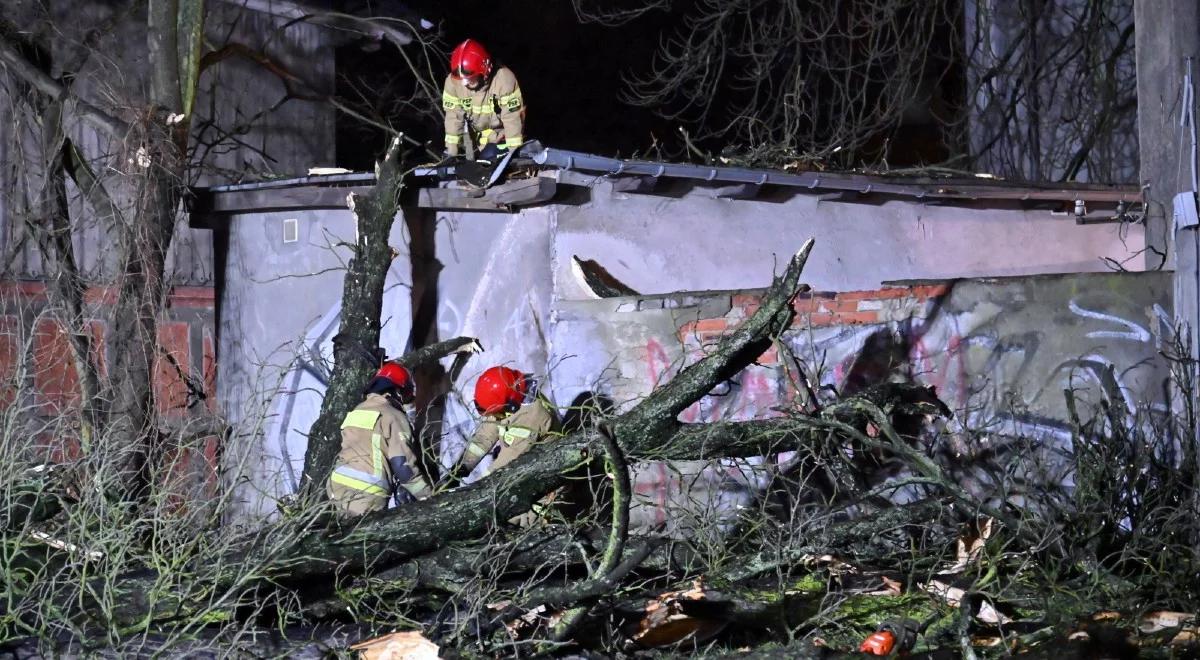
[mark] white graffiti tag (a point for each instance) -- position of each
(1134, 332)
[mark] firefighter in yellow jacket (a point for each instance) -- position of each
(377, 461)
(515, 418)
(482, 102)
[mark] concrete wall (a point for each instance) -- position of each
(280, 311)
(999, 351)
(691, 241)
(1167, 133)
(507, 280)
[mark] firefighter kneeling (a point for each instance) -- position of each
(377, 461)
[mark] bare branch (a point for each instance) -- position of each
(12, 59)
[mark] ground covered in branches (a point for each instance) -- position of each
(864, 522)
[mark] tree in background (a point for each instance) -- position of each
(132, 183)
(1035, 89)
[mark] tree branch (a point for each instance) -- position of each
(12, 59)
(362, 300)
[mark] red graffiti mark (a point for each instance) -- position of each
(944, 369)
(659, 369)
(755, 392)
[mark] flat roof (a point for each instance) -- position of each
(328, 190)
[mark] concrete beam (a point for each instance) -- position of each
(501, 198)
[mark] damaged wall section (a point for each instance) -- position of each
(513, 281)
(1000, 352)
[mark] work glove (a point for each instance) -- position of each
(491, 152)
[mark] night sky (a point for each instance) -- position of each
(571, 74)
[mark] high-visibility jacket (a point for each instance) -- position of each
(374, 435)
(508, 438)
(495, 111)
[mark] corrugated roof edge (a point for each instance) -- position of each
(914, 187)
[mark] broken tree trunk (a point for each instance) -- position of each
(387, 538)
(384, 539)
(358, 328)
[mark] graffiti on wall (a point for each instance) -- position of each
(999, 353)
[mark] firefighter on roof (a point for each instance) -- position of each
(482, 103)
(377, 461)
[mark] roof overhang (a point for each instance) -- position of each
(430, 188)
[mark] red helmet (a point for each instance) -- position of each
(394, 376)
(470, 62)
(500, 389)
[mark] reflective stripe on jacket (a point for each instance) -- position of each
(508, 438)
(372, 434)
(496, 110)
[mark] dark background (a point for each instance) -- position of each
(570, 75)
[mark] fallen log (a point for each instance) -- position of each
(316, 556)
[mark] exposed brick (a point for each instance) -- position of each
(841, 318)
(99, 330)
(10, 356)
(170, 389)
(877, 294)
(100, 295)
(745, 300)
(705, 327)
(806, 304)
(212, 454)
(54, 375)
(924, 291)
(769, 358)
(193, 296)
(17, 289)
(840, 306)
(209, 367)
(858, 318)
(814, 320)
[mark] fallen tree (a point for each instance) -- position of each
(826, 553)
(318, 551)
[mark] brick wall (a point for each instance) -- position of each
(38, 378)
(823, 309)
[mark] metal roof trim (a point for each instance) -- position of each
(964, 189)
(862, 184)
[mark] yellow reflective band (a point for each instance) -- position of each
(357, 484)
(511, 101)
(482, 110)
(475, 450)
(514, 142)
(452, 102)
(514, 433)
(453, 139)
(360, 419)
(377, 454)
(417, 487)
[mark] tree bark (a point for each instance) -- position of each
(392, 536)
(387, 538)
(362, 302)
